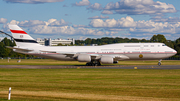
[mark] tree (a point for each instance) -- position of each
(59, 44)
(177, 46)
(3, 50)
(169, 43)
(158, 38)
(88, 41)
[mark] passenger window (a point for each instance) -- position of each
(164, 45)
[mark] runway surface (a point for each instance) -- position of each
(98, 67)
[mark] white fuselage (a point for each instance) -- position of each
(134, 51)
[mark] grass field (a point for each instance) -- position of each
(90, 84)
(55, 62)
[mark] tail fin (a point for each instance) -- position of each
(21, 37)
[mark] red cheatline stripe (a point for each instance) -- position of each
(18, 31)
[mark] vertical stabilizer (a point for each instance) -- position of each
(21, 37)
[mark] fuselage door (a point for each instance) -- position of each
(141, 47)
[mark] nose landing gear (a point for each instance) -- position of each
(159, 63)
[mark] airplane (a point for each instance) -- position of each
(93, 55)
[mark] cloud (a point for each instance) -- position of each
(170, 19)
(54, 26)
(99, 17)
(64, 30)
(112, 23)
(139, 7)
(82, 3)
(6, 28)
(32, 1)
(137, 28)
(31, 23)
(3, 20)
(107, 12)
(54, 22)
(95, 6)
(65, 5)
(99, 27)
(82, 26)
(155, 27)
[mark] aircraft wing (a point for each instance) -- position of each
(20, 49)
(93, 56)
(68, 54)
(48, 51)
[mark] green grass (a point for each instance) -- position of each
(55, 62)
(90, 84)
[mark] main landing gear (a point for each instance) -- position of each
(159, 63)
(93, 63)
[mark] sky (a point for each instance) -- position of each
(81, 19)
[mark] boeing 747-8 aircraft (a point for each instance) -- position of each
(93, 55)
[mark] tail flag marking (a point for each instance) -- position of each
(18, 31)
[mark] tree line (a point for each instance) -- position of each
(5, 52)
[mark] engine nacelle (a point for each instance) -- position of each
(106, 60)
(84, 58)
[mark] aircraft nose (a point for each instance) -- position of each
(174, 51)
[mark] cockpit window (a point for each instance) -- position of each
(163, 45)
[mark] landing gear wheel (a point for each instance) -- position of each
(159, 63)
(93, 63)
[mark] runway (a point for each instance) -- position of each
(98, 67)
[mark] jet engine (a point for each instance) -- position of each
(84, 58)
(106, 60)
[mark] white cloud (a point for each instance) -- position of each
(95, 6)
(54, 22)
(83, 26)
(83, 3)
(99, 27)
(170, 19)
(53, 26)
(33, 1)
(6, 28)
(155, 27)
(112, 23)
(137, 7)
(107, 12)
(136, 28)
(31, 23)
(3, 20)
(99, 17)
(64, 30)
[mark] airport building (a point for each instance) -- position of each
(55, 42)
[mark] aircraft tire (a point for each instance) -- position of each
(87, 64)
(96, 63)
(159, 63)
